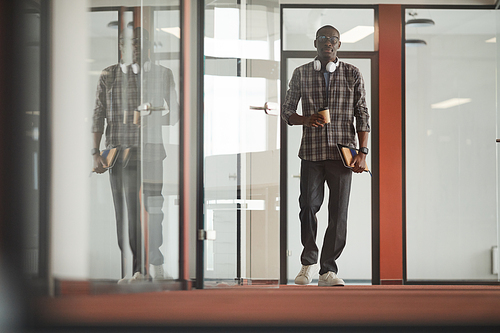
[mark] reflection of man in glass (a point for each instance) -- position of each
(118, 97)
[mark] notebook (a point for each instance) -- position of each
(347, 153)
(109, 157)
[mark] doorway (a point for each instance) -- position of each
(359, 261)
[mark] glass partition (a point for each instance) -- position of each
(134, 73)
(241, 143)
(451, 160)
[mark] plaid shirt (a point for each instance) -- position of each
(118, 95)
(346, 102)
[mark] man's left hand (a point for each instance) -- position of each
(358, 163)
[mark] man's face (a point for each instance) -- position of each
(124, 49)
(140, 46)
(136, 48)
(327, 47)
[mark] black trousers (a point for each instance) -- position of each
(126, 187)
(313, 176)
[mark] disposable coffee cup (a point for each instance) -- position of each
(326, 114)
(137, 117)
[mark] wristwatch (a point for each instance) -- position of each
(364, 150)
(95, 151)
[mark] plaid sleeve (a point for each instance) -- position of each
(171, 98)
(100, 105)
(292, 97)
(360, 108)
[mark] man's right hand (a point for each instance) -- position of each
(316, 120)
(99, 164)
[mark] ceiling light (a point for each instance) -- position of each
(114, 24)
(176, 31)
(356, 34)
(415, 42)
(418, 23)
(450, 103)
(492, 40)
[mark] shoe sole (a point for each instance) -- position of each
(327, 284)
(302, 284)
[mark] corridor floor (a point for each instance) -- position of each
(355, 307)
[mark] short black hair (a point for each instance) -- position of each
(327, 26)
(140, 32)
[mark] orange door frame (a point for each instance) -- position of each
(390, 144)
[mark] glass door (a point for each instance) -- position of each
(356, 27)
(241, 143)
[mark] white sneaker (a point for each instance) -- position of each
(123, 281)
(158, 272)
(137, 277)
(330, 279)
(306, 273)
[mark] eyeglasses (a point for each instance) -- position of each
(137, 41)
(323, 39)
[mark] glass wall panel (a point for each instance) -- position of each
(451, 161)
(355, 25)
(241, 142)
(134, 70)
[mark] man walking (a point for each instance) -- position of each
(326, 83)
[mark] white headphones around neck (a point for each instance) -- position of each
(330, 67)
(136, 68)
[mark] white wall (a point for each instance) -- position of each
(70, 149)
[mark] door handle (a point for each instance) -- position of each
(143, 110)
(269, 108)
(146, 109)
